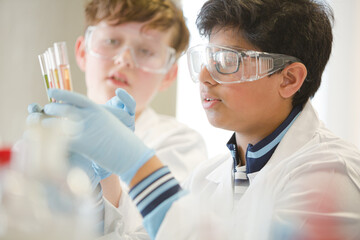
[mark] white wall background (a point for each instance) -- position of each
(337, 101)
(27, 29)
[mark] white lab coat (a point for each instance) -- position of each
(177, 146)
(309, 187)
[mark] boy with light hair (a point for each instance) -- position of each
(134, 45)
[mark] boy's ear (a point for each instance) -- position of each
(169, 78)
(80, 53)
(293, 77)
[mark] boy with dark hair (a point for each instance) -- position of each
(286, 176)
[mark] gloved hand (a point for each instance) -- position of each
(77, 160)
(92, 170)
(35, 114)
(94, 173)
(101, 172)
(123, 107)
(34, 108)
(103, 138)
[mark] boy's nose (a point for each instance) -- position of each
(205, 76)
(124, 57)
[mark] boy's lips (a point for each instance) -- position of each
(209, 101)
(118, 79)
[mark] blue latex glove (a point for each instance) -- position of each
(35, 108)
(123, 107)
(93, 171)
(77, 160)
(101, 172)
(103, 138)
(35, 114)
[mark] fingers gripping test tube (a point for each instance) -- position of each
(63, 65)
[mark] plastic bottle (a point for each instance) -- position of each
(5, 156)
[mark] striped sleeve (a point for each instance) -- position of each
(154, 196)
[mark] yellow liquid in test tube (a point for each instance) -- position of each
(57, 80)
(44, 72)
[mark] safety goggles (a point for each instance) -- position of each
(234, 65)
(147, 53)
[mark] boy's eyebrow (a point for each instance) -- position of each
(143, 32)
(147, 35)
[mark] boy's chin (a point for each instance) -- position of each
(221, 122)
(100, 98)
(215, 122)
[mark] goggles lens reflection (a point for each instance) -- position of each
(234, 65)
(146, 53)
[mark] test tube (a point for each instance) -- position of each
(63, 65)
(44, 72)
(50, 73)
(53, 68)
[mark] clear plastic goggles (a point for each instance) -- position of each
(234, 65)
(147, 54)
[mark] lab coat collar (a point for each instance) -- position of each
(220, 182)
(303, 128)
(146, 120)
(223, 171)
